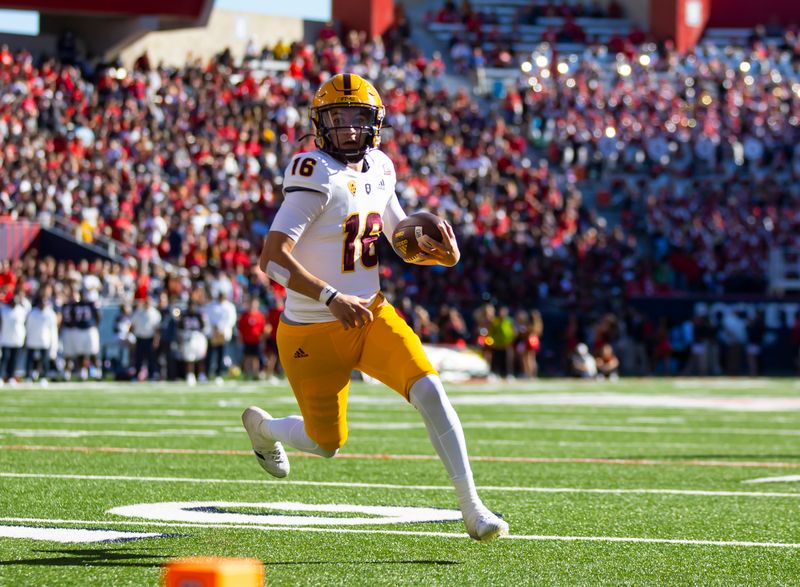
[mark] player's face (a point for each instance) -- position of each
(347, 125)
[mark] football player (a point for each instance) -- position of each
(339, 198)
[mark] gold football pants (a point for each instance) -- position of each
(319, 358)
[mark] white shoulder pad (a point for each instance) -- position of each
(308, 171)
(382, 164)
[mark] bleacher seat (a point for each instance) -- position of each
(525, 38)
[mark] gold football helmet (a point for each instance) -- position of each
(347, 113)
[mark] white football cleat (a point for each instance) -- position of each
(483, 526)
(268, 451)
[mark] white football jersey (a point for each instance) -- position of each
(340, 245)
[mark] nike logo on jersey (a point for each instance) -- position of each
(300, 354)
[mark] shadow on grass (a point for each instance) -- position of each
(122, 557)
(336, 562)
(118, 557)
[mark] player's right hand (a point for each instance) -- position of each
(351, 311)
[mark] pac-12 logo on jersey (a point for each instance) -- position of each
(352, 186)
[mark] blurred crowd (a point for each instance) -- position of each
(485, 38)
(696, 155)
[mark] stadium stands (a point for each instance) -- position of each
(692, 161)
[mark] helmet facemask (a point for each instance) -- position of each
(348, 131)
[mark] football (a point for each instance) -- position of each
(408, 230)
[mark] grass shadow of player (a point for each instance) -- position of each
(96, 557)
(370, 562)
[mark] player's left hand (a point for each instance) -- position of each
(439, 253)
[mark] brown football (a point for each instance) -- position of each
(408, 230)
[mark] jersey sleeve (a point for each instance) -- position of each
(307, 171)
(299, 209)
(393, 214)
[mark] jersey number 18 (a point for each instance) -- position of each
(372, 232)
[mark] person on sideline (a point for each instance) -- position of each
(12, 334)
(145, 324)
(251, 326)
(41, 340)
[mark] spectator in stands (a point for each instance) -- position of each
(796, 342)
(662, 349)
(8, 280)
(702, 355)
(41, 339)
(252, 326)
(500, 339)
(13, 316)
(281, 50)
(67, 330)
(192, 342)
(166, 349)
(125, 340)
(478, 71)
(524, 356)
(527, 343)
(423, 325)
(733, 334)
(145, 324)
(583, 363)
(607, 363)
(86, 336)
(679, 138)
(452, 327)
(756, 329)
(271, 357)
(220, 316)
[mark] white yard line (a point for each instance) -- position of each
(50, 433)
(406, 457)
(418, 425)
(533, 426)
(142, 421)
(177, 413)
(784, 479)
(73, 535)
(722, 383)
(483, 397)
(342, 484)
(630, 400)
(532, 537)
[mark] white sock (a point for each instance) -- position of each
(291, 431)
(446, 434)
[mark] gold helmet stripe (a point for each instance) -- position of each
(348, 88)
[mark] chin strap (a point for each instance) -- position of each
(342, 158)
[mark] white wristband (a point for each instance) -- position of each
(327, 294)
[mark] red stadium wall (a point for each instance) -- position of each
(683, 21)
(747, 13)
(372, 16)
(15, 238)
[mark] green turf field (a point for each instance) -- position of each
(641, 482)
